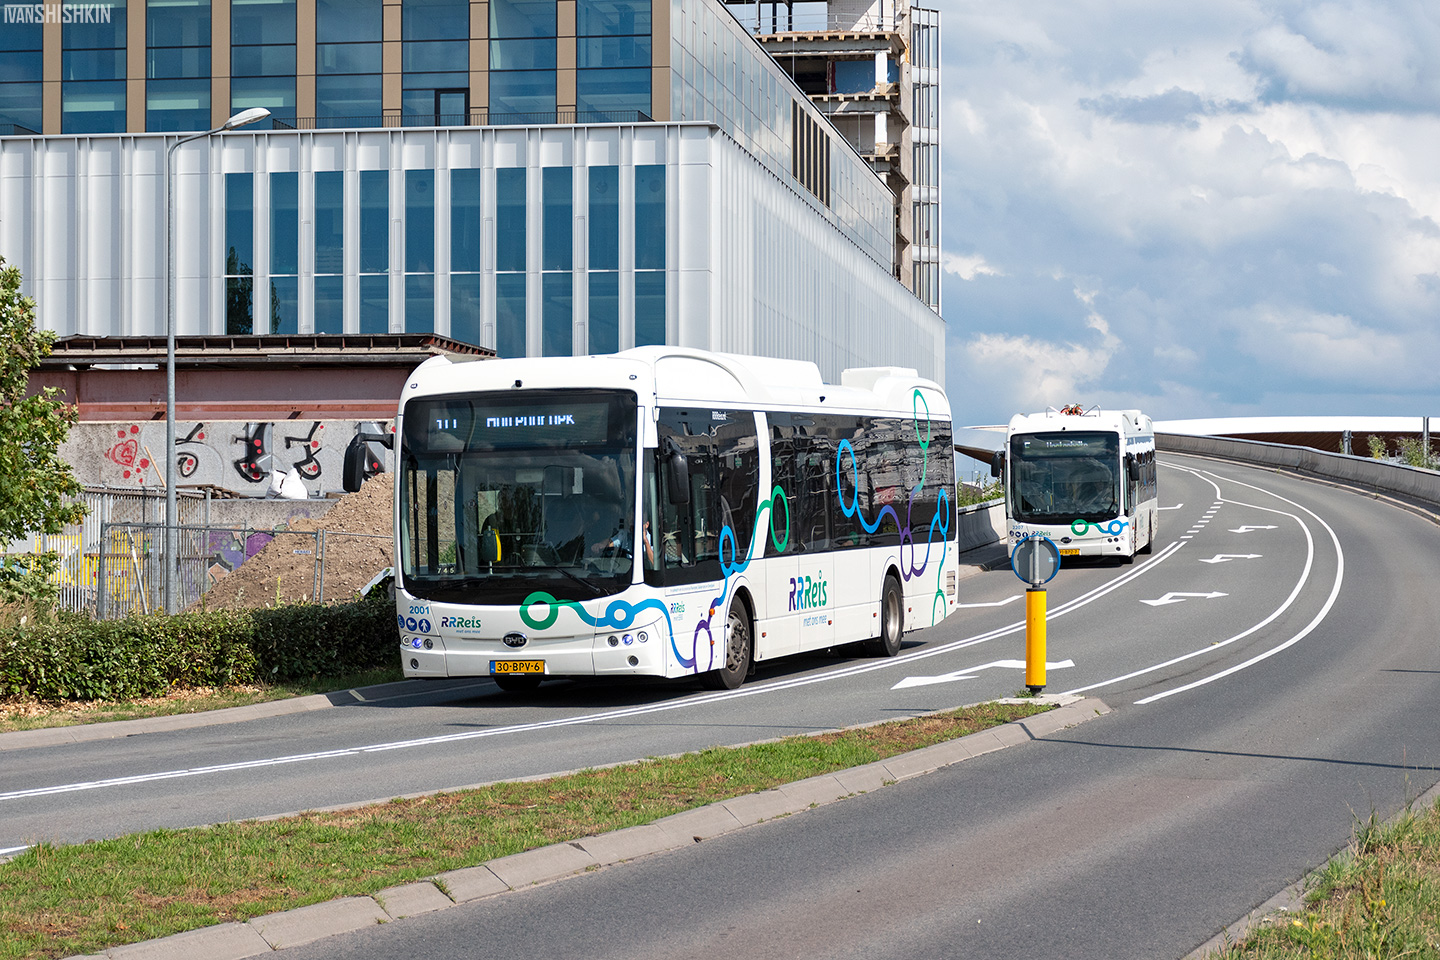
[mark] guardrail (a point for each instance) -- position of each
(1406, 483)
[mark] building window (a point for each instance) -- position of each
(21, 75)
(612, 57)
(177, 65)
(435, 58)
(329, 251)
(809, 153)
(374, 251)
(649, 254)
(557, 261)
(465, 255)
(262, 56)
(239, 252)
(604, 246)
(522, 61)
(92, 61)
(348, 36)
(510, 261)
(284, 253)
(420, 251)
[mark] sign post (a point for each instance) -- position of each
(1036, 560)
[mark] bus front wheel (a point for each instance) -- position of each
(737, 651)
(892, 621)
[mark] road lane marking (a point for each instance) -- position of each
(903, 661)
(970, 672)
(1227, 557)
(994, 603)
(1173, 597)
(1247, 528)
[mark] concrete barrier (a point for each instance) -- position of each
(979, 525)
(1376, 476)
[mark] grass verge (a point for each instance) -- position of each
(1380, 899)
(20, 714)
(59, 901)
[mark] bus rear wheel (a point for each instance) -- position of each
(737, 651)
(892, 621)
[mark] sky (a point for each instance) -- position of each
(1229, 208)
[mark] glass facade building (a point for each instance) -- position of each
(540, 177)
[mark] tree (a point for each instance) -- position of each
(38, 493)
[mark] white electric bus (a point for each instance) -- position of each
(1083, 478)
(664, 512)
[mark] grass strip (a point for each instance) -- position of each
(19, 714)
(1380, 899)
(56, 901)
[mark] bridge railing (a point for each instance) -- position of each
(1406, 483)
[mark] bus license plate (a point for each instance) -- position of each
(1070, 553)
(517, 666)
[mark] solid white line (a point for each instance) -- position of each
(6, 851)
(903, 661)
(1324, 610)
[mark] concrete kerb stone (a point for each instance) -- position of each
(627, 844)
(541, 864)
(227, 941)
(699, 824)
(306, 924)
(470, 883)
(412, 899)
(315, 922)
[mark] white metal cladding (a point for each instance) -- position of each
(750, 266)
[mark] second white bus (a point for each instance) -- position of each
(1085, 479)
(665, 512)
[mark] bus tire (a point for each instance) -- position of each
(517, 682)
(737, 651)
(892, 621)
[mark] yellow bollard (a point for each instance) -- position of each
(1035, 639)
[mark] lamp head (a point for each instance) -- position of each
(246, 116)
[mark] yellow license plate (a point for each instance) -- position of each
(1070, 553)
(517, 666)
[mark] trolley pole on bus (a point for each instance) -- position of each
(1036, 560)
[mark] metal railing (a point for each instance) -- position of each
(765, 19)
(472, 118)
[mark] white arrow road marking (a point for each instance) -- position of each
(996, 603)
(1224, 557)
(969, 673)
(1176, 507)
(1181, 598)
(1246, 528)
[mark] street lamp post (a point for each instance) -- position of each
(171, 506)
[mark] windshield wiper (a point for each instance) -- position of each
(597, 591)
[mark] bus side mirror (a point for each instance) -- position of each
(677, 469)
(358, 466)
(997, 464)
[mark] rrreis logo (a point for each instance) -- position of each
(807, 593)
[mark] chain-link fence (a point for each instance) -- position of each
(112, 562)
(130, 573)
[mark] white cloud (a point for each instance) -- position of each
(1179, 195)
(968, 268)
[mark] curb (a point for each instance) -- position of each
(236, 941)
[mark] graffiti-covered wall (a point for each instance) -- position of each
(235, 455)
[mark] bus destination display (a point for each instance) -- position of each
(454, 425)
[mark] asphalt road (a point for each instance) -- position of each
(1288, 692)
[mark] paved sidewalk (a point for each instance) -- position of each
(235, 941)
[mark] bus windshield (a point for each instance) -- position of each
(502, 496)
(1064, 477)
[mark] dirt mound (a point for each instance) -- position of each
(355, 547)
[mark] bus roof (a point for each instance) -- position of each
(1130, 423)
(677, 375)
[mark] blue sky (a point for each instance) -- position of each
(1200, 210)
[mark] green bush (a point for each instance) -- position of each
(71, 657)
